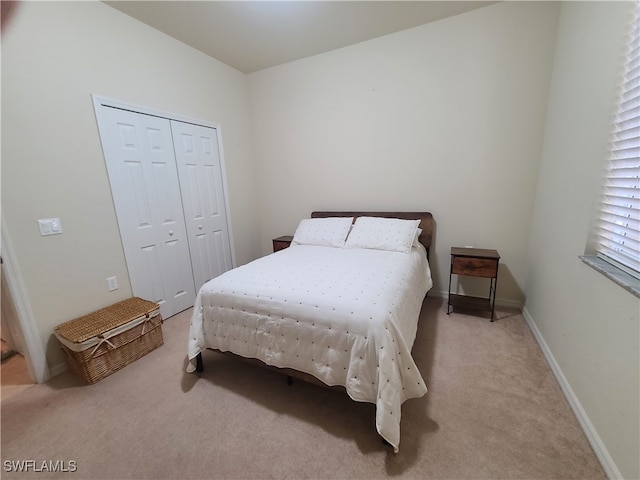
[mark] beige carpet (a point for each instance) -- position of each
(493, 410)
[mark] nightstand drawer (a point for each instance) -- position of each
(476, 267)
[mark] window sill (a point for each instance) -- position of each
(626, 281)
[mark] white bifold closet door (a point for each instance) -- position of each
(199, 172)
(169, 201)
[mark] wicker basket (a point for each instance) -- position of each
(101, 343)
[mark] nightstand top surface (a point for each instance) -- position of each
(474, 252)
(283, 238)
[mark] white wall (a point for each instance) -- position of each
(446, 117)
(589, 324)
(54, 56)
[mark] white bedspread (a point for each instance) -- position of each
(347, 316)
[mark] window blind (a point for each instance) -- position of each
(618, 232)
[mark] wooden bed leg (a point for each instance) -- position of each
(289, 380)
(199, 366)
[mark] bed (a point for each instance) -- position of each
(340, 305)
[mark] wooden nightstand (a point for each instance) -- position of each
(474, 262)
(281, 243)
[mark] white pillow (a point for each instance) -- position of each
(416, 239)
(329, 232)
(383, 234)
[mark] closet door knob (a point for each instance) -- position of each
(199, 227)
(171, 232)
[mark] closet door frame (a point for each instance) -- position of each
(101, 101)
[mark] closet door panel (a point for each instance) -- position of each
(200, 174)
(142, 171)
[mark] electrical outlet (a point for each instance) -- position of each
(112, 283)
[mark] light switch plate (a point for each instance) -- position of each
(50, 226)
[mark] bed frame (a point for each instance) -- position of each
(426, 239)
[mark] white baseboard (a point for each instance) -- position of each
(58, 369)
(598, 446)
(500, 302)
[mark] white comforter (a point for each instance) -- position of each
(347, 316)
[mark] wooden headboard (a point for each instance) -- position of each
(426, 221)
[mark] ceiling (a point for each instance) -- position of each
(253, 35)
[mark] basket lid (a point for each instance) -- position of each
(88, 326)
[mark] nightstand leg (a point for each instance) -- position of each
(492, 293)
(199, 366)
(449, 294)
